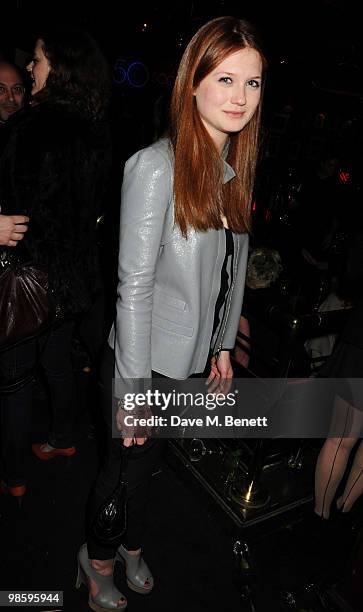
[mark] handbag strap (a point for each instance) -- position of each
(125, 454)
(19, 254)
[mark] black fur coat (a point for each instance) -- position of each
(54, 168)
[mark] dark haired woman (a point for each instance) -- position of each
(53, 170)
(183, 249)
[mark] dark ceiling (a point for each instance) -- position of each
(304, 29)
(312, 45)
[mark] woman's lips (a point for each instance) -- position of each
(234, 114)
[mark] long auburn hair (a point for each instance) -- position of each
(200, 196)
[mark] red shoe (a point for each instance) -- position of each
(40, 451)
(17, 491)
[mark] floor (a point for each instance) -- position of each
(189, 543)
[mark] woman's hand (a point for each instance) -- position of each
(12, 229)
(133, 434)
(221, 374)
(131, 441)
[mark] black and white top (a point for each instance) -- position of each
(226, 281)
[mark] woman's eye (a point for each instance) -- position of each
(225, 79)
(253, 83)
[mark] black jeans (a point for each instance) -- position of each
(53, 352)
(141, 464)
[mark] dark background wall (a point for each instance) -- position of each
(315, 87)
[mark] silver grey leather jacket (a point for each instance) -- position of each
(168, 285)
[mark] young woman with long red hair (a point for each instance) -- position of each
(185, 216)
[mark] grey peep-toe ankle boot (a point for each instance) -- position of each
(108, 595)
(138, 576)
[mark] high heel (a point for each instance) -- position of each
(136, 570)
(40, 451)
(108, 595)
(17, 491)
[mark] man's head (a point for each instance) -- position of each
(11, 90)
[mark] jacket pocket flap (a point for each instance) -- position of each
(171, 326)
(174, 302)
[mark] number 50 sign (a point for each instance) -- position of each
(135, 74)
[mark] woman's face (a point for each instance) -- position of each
(228, 97)
(38, 68)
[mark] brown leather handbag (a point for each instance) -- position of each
(25, 307)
